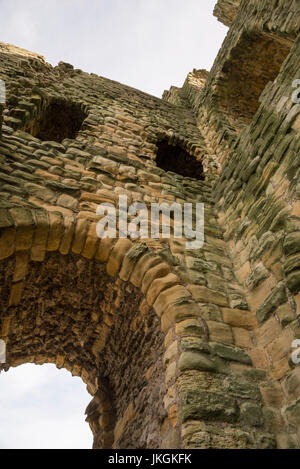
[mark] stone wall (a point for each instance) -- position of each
(178, 348)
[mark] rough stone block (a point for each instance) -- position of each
(158, 271)
(251, 414)
(67, 237)
(242, 338)
(104, 249)
(81, 229)
(144, 264)
(25, 228)
(190, 327)
(39, 243)
(117, 255)
(130, 260)
(275, 299)
(196, 361)
(16, 293)
(56, 224)
(91, 243)
(272, 394)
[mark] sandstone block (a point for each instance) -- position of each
(20, 271)
(171, 440)
(177, 312)
(201, 293)
(260, 359)
(189, 327)
(291, 385)
(39, 243)
(196, 361)
(130, 260)
(242, 338)
(16, 293)
(275, 299)
(7, 242)
(160, 284)
(67, 201)
(268, 332)
(272, 394)
(251, 414)
(171, 353)
(91, 243)
(67, 236)
(239, 318)
(144, 264)
(81, 229)
(172, 296)
(281, 346)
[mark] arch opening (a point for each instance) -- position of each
(175, 159)
(72, 314)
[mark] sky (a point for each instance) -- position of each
(149, 45)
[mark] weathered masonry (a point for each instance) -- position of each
(178, 348)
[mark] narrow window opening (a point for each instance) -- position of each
(59, 120)
(177, 160)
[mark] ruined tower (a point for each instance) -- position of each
(179, 348)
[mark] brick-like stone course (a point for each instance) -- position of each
(179, 348)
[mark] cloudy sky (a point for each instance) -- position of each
(147, 44)
(43, 407)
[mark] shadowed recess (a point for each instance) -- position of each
(59, 120)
